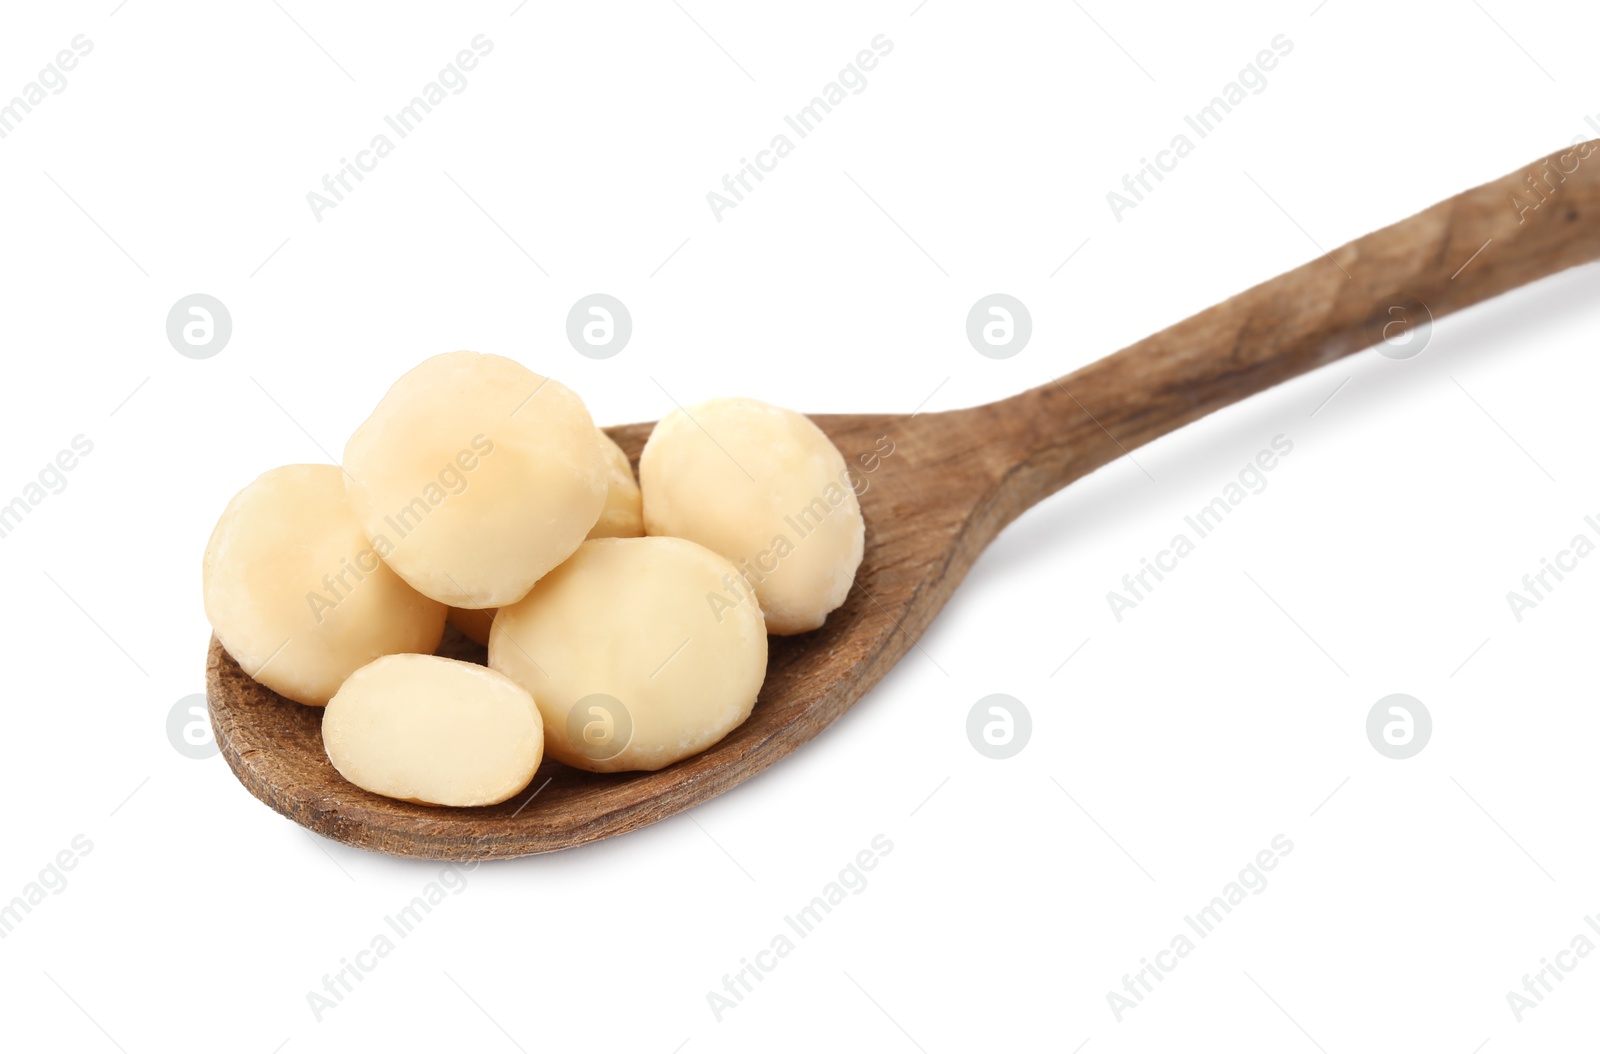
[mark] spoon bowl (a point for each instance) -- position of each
(275, 746)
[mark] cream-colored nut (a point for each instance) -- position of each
(474, 476)
(623, 516)
(631, 662)
(767, 489)
(298, 596)
(433, 730)
(473, 623)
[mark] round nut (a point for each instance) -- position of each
(435, 731)
(477, 476)
(296, 594)
(623, 516)
(638, 652)
(766, 488)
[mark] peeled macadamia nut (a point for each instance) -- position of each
(475, 476)
(623, 516)
(298, 596)
(628, 655)
(473, 623)
(432, 730)
(767, 489)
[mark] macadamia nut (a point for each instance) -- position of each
(623, 515)
(767, 489)
(298, 596)
(475, 476)
(629, 659)
(435, 731)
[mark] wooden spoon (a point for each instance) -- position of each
(952, 482)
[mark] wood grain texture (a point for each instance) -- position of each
(952, 483)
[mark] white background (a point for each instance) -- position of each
(1171, 748)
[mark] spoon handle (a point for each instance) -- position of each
(1377, 289)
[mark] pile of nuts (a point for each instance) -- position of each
(626, 622)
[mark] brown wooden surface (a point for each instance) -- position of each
(954, 480)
